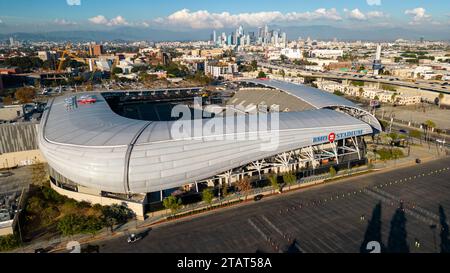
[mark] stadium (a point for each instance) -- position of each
(120, 146)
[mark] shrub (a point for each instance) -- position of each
(9, 242)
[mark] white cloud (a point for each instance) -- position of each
(99, 20)
(64, 22)
(102, 20)
(355, 14)
(73, 2)
(375, 14)
(373, 2)
(205, 19)
(418, 15)
(118, 21)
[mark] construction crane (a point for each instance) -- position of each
(69, 53)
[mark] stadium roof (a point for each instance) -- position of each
(96, 148)
(313, 96)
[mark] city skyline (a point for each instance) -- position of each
(70, 15)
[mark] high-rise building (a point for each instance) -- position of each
(95, 50)
(214, 38)
(11, 41)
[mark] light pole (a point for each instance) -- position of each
(18, 226)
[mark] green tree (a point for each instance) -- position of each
(254, 65)
(116, 214)
(282, 73)
(273, 179)
(261, 75)
(289, 179)
(415, 134)
(361, 91)
(393, 97)
(333, 171)
(172, 203)
(117, 70)
(441, 98)
(70, 225)
(207, 196)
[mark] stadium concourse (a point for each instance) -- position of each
(110, 151)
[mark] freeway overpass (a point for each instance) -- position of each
(360, 77)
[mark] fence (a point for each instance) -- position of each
(18, 137)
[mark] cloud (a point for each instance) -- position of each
(64, 22)
(73, 2)
(355, 14)
(102, 20)
(373, 2)
(99, 20)
(375, 14)
(205, 19)
(418, 15)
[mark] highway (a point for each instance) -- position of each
(419, 84)
(326, 218)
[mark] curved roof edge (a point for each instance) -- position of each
(317, 98)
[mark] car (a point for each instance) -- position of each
(133, 238)
(403, 131)
(6, 174)
(258, 197)
(418, 161)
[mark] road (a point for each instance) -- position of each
(419, 84)
(325, 218)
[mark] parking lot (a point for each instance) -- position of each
(326, 218)
(20, 178)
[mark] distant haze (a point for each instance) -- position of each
(320, 32)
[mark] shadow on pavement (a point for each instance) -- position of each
(397, 242)
(445, 242)
(292, 248)
(373, 232)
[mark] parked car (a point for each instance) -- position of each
(6, 174)
(258, 197)
(133, 238)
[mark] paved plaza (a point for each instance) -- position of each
(327, 218)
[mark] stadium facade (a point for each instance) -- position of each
(97, 155)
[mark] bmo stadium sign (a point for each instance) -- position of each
(332, 137)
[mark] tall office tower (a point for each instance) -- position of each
(377, 66)
(284, 38)
(266, 35)
(378, 55)
(11, 41)
(230, 39)
(214, 37)
(241, 30)
(260, 32)
(275, 38)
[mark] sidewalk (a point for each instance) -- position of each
(198, 209)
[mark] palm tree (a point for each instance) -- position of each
(441, 97)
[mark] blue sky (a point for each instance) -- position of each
(35, 15)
